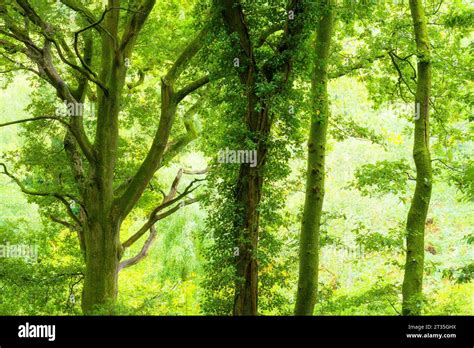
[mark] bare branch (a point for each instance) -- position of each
(408, 61)
(168, 200)
(155, 219)
(143, 252)
(446, 165)
(64, 223)
(401, 78)
(362, 64)
(39, 118)
(196, 171)
(174, 188)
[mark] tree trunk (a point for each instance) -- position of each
(250, 181)
(415, 227)
(249, 188)
(310, 226)
(103, 251)
(102, 209)
(248, 196)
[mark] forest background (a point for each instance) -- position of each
(183, 263)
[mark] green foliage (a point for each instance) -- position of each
(376, 241)
(190, 269)
(382, 177)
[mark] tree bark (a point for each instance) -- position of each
(249, 183)
(310, 225)
(102, 260)
(101, 228)
(246, 296)
(248, 196)
(415, 226)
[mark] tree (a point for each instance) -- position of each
(435, 130)
(100, 200)
(262, 80)
(415, 226)
(311, 221)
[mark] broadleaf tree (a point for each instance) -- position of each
(90, 65)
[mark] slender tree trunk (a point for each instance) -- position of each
(415, 227)
(310, 226)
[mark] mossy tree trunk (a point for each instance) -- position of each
(415, 226)
(102, 203)
(310, 225)
(102, 260)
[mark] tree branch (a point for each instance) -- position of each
(446, 165)
(143, 252)
(401, 78)
(81, 141)
(234, 21)
(141, 79)
(59, 196)
(48, 31)
(186, 55)
(154, 158)
(72, 227)
(134, 26)
(191, 87)
(39, 118)
(76, 39)
(267, 33)
(362, 64)
(196, 172)
(155, 219)
(168, 200)
(181, 142)
(64, 223)
(78, 7)
(43, 58)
